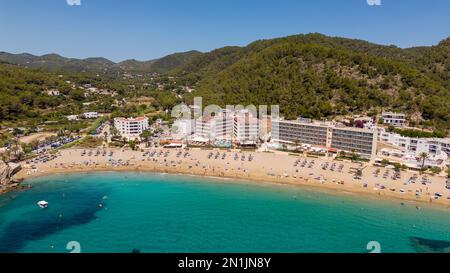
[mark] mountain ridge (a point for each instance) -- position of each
(176, 62)
(56, 62)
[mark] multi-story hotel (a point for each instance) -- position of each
(224, 125)
(219, 127)
(325, 135)
(131, 128)
(265, 126)
(431, 146)
(240, 127)
(205, 128)
(357, 140)
(246, 128)
(395, 119)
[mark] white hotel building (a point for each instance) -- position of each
(131, 128)
(224, 125)
(241, 127)
(326, 135)
(416, 146)
(219, 127)
(245, 128)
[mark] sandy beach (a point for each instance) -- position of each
(281, 168)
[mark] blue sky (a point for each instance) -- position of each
(148, 29)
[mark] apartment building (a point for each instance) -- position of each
(245, 128)
(205, 128)
(329, 135)
(431, 146)
(349, 139)
(219, 127)
(224, 125)
(131, 128)
(265, 127)
(394, 119)
(293, 131)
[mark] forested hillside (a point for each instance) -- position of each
(317, 76)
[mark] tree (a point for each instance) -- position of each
(424, 157)
(132, 145)
(355, 156)
(146, 135)
(436, 170)
(77, 95)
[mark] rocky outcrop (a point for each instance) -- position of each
(7, 172)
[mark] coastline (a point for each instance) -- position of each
(239, 177)
(232, 180)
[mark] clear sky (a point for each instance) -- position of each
(148, 29)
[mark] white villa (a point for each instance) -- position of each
(131, 128)
(90, 115)
(394, 119)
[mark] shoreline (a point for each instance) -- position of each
(309, 184)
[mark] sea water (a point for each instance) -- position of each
(155, 213)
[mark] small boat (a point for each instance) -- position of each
(42, 204)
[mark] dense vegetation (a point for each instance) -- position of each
(317, 76)
(418, 134)
(23, 92)
(25, 102)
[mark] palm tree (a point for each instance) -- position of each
(423, 156)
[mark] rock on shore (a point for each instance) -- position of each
(7, 172)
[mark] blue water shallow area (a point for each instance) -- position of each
(155, 213)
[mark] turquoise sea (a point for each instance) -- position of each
(156, 213)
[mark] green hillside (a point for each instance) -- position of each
(317, 76)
